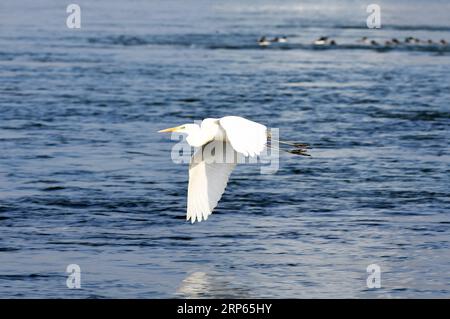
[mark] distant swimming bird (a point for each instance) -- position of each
(410, 40)
(208, 172)
(373, 42)
(321, 41)
(395, 41)
(430, 41)
(324, 41)
(279, 39)
(443, 42)
(263, 42)
(364, 40)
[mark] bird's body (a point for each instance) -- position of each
(245, 136)
(263, 42)
(279, 40)
(321, 41)
(202, 134)
(411, 40)
(364, 40)
(324, 41)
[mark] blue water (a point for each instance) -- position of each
(85, 179)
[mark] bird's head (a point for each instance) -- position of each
(185, 128)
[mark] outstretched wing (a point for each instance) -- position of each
(208, 176)
(246, 137)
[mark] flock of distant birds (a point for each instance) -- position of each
(326, 41)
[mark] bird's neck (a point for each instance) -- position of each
(200, 136)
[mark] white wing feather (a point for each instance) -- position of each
(208, 178)
(246, 137)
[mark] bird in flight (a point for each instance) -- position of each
(219, 141)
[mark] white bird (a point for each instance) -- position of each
(209, 170)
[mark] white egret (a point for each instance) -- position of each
(209, 176)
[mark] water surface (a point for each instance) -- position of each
(85, 178)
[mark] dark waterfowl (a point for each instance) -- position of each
(324, 41)
(279, 39)
(321, 41)
(263, 42)
(364, 40)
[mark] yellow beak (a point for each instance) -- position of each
(171, 129)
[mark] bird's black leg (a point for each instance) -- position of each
(299, 148)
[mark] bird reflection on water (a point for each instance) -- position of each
(203, 285)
